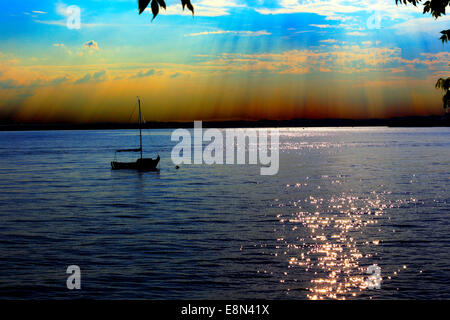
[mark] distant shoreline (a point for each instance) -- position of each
(429, 121)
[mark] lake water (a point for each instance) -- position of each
(344, 199)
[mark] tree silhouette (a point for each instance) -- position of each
(143, 4)
(436, 8)
(444, 84)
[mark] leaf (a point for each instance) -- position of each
(155, 4)
(188, 4)
(444, 84)
(445, 36)
(142, 5)
(155, 8)
(162, 4)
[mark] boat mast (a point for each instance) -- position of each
(140, 125)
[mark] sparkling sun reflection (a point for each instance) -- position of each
(329, 242)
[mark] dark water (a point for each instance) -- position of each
(344, 199)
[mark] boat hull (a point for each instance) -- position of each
(140, 165)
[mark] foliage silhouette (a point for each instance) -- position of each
(155, 4)
(444, 84)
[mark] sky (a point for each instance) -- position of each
(234, 60)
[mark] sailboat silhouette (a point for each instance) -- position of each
(140, 164)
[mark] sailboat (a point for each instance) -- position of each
(140, 164)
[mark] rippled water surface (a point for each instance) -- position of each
(344, 199)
